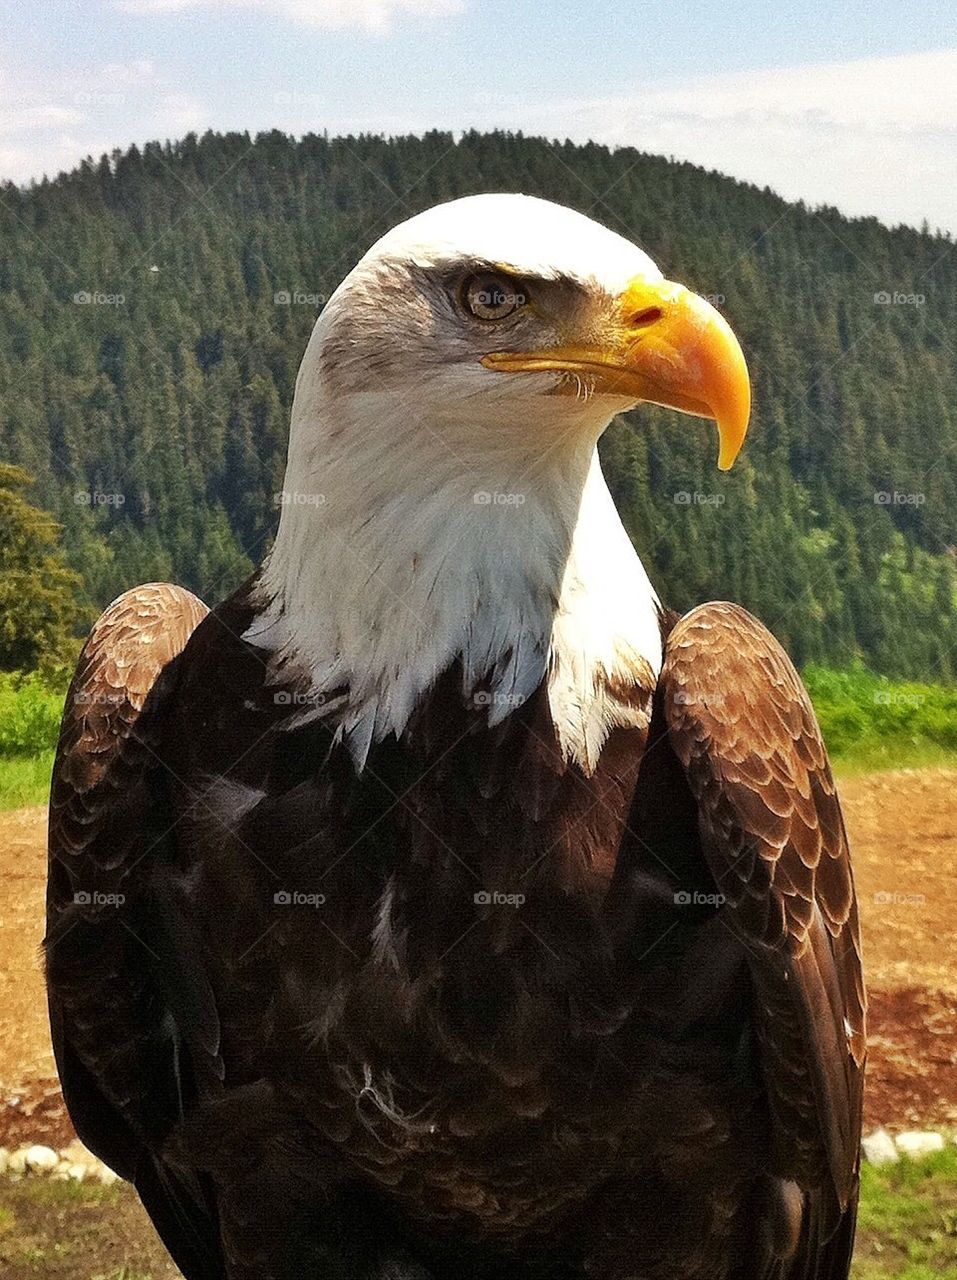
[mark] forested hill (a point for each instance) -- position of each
(154, 308)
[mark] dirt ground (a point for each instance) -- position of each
(903, 829)
(71, 1231)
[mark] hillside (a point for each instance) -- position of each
(154, 307)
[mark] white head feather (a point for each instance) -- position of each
(434, 509)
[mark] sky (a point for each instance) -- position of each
(851, 104)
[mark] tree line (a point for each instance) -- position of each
(154, 306)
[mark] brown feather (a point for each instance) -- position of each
(524, 1022)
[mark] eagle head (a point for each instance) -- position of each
(519, 313)
(443, 506)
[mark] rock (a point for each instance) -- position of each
(878, 1148)
(73, 1164)
(916, 1143)
(41, 1159)
(77, 1153)
(70, 1171)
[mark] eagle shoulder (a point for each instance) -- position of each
(133, 1021)
(742, 727)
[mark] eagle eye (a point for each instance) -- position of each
(492, 297)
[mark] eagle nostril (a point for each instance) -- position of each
(641, 319)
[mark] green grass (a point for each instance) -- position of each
(907, 1225)
(124, 1273)
(77, 1231)
(25, 780)
(878, 758)
(869, 723)
(30, 709)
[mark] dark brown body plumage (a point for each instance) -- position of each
(471, 1013)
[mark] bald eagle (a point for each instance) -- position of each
(440, 906)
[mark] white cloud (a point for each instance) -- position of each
(17, 117)
(180, 113)
(48, 122)
(375, 16)
(875, 136)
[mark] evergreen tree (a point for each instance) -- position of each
(169, 390)
(40, 606)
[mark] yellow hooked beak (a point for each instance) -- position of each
(667, 346)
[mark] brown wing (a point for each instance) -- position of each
(130, 645)
(742, 727)
(131, 1014)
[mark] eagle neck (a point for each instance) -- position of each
(517, 570)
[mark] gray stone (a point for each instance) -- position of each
(916, 1143)
(878, 1148)
(41, 1159)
